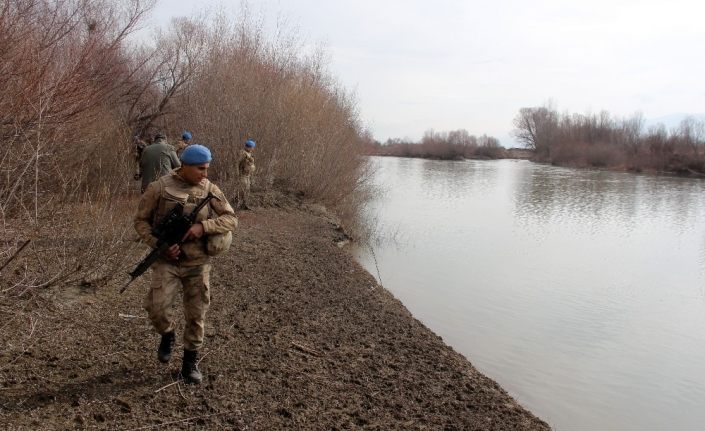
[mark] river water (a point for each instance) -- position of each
(581, 292)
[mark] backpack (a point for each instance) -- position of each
(217, 243)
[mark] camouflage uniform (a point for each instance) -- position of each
(157, 160)
(179, 147)
(192, 270)
(245, 169)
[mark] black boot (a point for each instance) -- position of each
(189, 369)
(165, 346)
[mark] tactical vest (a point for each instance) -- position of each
(174, 191)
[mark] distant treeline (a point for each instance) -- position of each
(600, 140)
(453, 145)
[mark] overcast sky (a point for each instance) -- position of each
(466, 64)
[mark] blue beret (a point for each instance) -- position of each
(196, 154)
(186, 136)
(250, 143)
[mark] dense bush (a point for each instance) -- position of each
(76, 88)
(309, 137)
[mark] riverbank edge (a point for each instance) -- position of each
(342, 240)
(298, 336)
(682, 173)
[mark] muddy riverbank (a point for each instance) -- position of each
(298, 336)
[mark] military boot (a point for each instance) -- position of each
(165, 346)
(189, 369)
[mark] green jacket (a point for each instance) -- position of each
(157, 160)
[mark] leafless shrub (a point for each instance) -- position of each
(453, 145)
(65, 73)
(602, 141)
(310, 140)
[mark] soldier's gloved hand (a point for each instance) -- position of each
(194, 232)
(173, 252)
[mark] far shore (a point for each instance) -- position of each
(530, 155)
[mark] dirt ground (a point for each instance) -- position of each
(298, 336)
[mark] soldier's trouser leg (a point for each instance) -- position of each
(197, 298)
(159, 301)
(243, 191)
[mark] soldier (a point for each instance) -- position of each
(137, 146)
(156, 160)
(184, 142)
(184, 265)
(245, 169)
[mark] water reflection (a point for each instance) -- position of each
(581, 292)
(593, 197)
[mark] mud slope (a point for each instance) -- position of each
(298, 336)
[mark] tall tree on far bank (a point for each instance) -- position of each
(537, 129)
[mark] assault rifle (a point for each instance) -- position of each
(169, 231)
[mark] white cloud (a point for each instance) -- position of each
(453, 64)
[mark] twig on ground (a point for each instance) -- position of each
(130, 316)
(179, 421)
(14, 255)
(32, 325)
(164, 387)
(180, 393)
(178, 387)
(305, 349)
(199, 361)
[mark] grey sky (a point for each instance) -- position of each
(452, 64)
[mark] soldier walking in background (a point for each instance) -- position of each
(186, 264)
(136, 151)
(185, 141)
(156, 160)
(245, 169)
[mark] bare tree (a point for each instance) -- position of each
(691, 133)
(537, 129)
(631, 131)
(170, 67)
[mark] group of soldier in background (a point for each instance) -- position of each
(174, 175)
(159, 157)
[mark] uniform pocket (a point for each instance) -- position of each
(175, 195)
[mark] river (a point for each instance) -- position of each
(581, 292)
